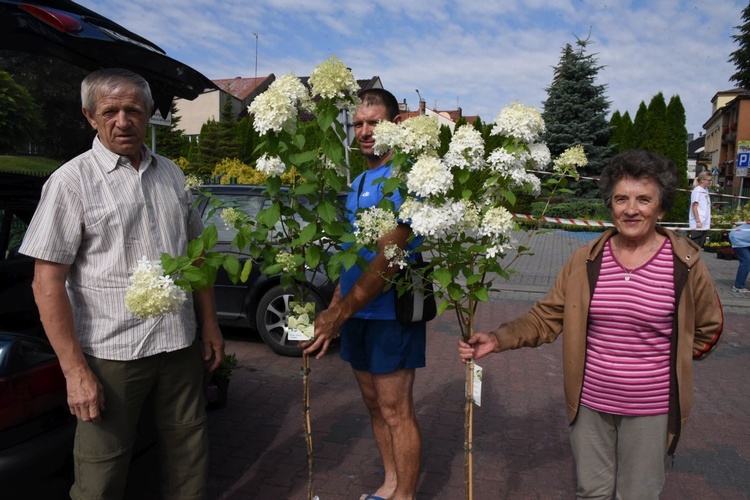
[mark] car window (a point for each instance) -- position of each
(250, 205)
(12, 229)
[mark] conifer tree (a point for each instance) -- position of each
(170, 141)
(445, 139)
(638, 135)
(655, 132)
(741, 56)
(616, 131)
(575, 112)
(217, 140)
(677, 151)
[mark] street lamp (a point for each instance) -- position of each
(256, 54)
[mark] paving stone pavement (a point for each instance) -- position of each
(521, 436)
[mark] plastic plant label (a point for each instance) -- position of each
(301, 321)
(477, 385)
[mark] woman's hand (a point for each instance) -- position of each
(479, 345)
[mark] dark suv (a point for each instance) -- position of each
(260, 303)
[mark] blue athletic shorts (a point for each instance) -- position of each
(383, 346)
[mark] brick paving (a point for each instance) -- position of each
(521, 442)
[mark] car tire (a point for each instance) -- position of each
(272, 320)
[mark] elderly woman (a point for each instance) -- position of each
(637, 305)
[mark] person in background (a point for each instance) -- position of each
(700, 208)
(635, 306)
(740, 240)
(383, 352)
(98, 215)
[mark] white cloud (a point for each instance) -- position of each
(482, 54)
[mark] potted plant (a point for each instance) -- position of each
(218, 387)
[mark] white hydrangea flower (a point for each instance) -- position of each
(270, 165)
(496, 221)
(396, 256)
(540, 155)
(192, 181)
(419, 134)
(286, 260)
(429, 176)
(508, 164)
(278, 107)
(231, 217)
(408, 208)
(438, 221)
(521, 122)
(466, 149)
(340, 170)
(333, 80)
(387, 136)
(372, 224)
(152, 294)
(570, 159)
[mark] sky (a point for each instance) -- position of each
(481, 55)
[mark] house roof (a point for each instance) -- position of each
(240, 87)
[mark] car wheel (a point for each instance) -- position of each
(272, 320)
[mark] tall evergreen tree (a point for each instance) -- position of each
(170, 141)
(626, 126)
(655, 133)
(217, 140)
(615, 127)
(741, 56)
(445, 139)
(638, 135)
(677, 151)
(575, 112)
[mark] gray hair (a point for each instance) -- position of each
(640, 164)
(112, 81)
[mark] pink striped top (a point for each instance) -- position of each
(629, 336)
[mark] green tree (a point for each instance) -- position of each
(655, 132)
(575, 112)
(445, 139)
(638, 135)
(56, 87)
(677, 151)
(626, 125)
(741, 56)
(217, 140)
(615, 126)
(20, 116)
(170, 141)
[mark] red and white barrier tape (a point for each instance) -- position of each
(599, 223)
(544, 172)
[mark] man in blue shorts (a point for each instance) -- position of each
(383, 352)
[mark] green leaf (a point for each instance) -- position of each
(326, 115)
(312, 257)
(246, 269)
(305, 188)
(299, 141)
(308, 233)
(232, 266)
(333, 149)
(195, 277)
(443, 276)
(210, 236)
(270, 216)
(304, 157)
(273, 185)
(169, 264)
(214, 259)
(327, 212)
(195, 249)
(481, 294)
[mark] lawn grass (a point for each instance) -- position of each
(28, 165)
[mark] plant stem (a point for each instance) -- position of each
(469, 431)
(306, 425)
